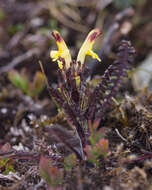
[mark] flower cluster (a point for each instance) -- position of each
(64, 53)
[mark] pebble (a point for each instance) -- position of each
(4, 110)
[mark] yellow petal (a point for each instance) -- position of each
(77, 79)
(54, 55)
(86, 48)
(60, 64)
(93, 55)
(63, 51)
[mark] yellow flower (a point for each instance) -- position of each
(62, 52)
(86, 48)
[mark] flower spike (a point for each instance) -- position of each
(62, 52)
(86, 48)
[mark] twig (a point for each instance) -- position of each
(120, 135)
(17, 60)
(21, 155)
(63, 19)
(42, 69)
(107, 42)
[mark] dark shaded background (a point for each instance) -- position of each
(25, 30)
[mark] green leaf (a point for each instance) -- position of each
(18, 80)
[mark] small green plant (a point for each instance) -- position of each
(12, 29)
(51, 173)
(70, 161)
(21, 80)
(6, 165)
(95, 150)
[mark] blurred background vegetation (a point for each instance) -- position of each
(26, 25)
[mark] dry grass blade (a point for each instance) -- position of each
(64, 136)
(56, 12)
